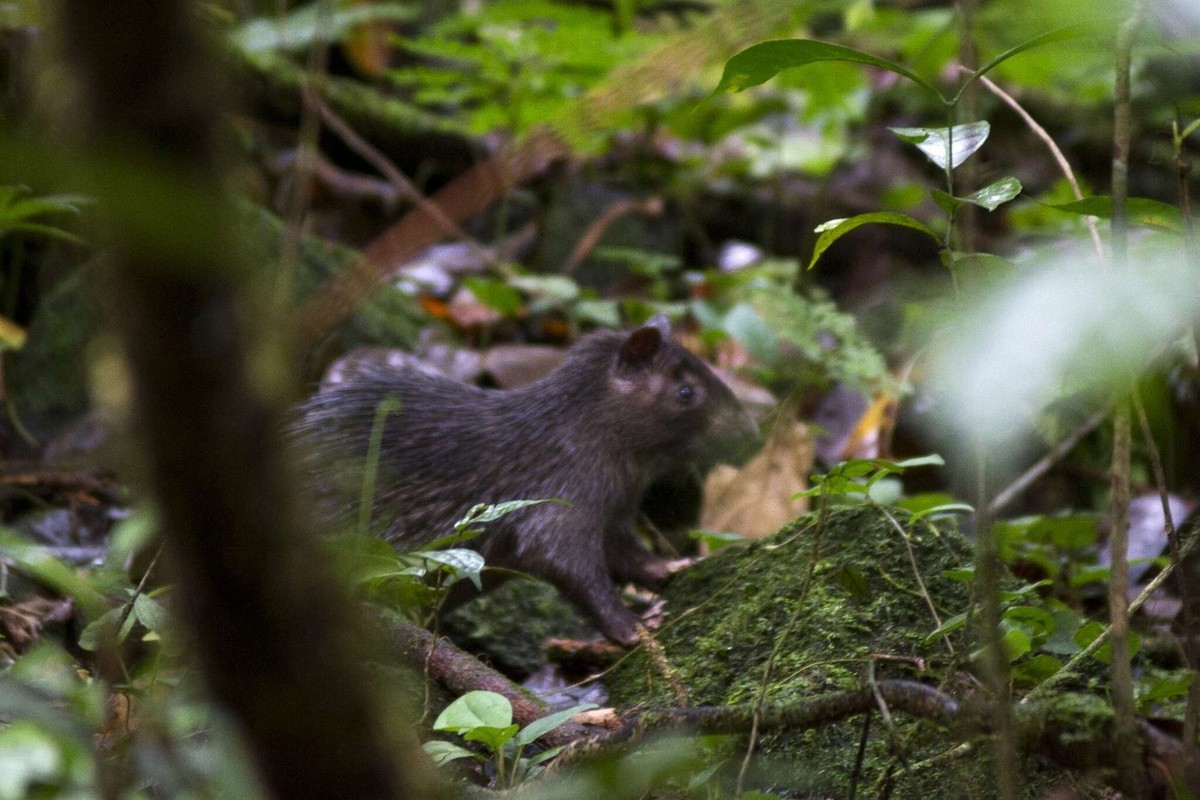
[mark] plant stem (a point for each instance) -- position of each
(1124, 722)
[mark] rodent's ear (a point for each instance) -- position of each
(641, 346)
(662, 322)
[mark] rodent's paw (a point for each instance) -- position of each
(655, 615)
(680, 564)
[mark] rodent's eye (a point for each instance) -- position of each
(686, 393)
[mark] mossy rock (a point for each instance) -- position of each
(831, 594)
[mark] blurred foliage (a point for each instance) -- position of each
(1018, 344)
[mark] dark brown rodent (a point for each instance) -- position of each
(620, 411)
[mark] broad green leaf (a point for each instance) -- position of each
(1141, 211)
(947, 146)
(445, 752)
(1016, 643)
(496, 295)
(1090, 631)
(835, 229)
(542, 726)
(148, 612)
(1069, 533)
(763, 61)
(1035, 670)
(473, 710)
(491, 735)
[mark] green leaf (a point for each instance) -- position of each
(483, 513)
(931, 460)
(947, 146)
(715, 540)
(763, 61)
(1068, 533)
(1175, 685)
(148, 612)
(1140, 210)
(944, 510)
(542, 726)
(1070, 32)
(496, 295)
(835, 229)
(1016, 643)
(491, 735)
(920, 503)
(960, 575)
(1035, 670)
(473, 710)
(744, 324)
(996, 194)
(1090, 631)
(854, 582)
(949, 626)
(445, 752)
(946, 202)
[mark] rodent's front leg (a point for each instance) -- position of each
(630, 562)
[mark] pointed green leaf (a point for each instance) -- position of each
(540, 727)
(763, 61)
(996, 194)
(1070, 32)
(1142, 211)
(835, 229)
(947, 145)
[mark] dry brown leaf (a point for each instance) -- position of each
(756, 500)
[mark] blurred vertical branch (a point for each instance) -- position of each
(1124, 721)
(987, 554)
(278, 638)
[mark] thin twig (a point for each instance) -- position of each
(1059, 158)
(912, 559)
(1043, 464)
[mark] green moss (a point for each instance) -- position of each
(860, 599)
